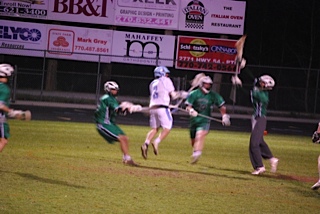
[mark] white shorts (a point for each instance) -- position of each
(161, 117)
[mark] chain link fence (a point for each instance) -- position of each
(296, 90)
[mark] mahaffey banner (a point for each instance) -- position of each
(142, 48)
(206, 54)
(212, 16)
(161, 14)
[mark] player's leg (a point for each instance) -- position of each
(267, 154)
(3, 143)
(201, 131)
(166, 121)
(317, 185)
(112, 133)
(258, 127)
(154, 124)
(4, 135)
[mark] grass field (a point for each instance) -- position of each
(65, 167)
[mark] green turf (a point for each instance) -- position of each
(65, 167)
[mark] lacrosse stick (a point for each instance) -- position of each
(240, 63)
(202, 115)
(194, 83)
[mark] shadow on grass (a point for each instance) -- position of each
(186, 171)
(45, 180)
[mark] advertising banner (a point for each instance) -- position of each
(206, 54)
(35, 9)
(85, 44)
(212, 16)
(144, 49)
(162, 14)
(86, 11)
(18, 38)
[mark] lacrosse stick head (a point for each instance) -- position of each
(239, 46)
(197, 80)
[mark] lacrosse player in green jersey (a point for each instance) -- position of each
(316, 139)
(105, 115)
(258, 148)
(201, 101)
(6, 71)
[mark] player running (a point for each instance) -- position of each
(104, 116)
(258, 148)
(201, 101)
(161, 91)
(6, 71)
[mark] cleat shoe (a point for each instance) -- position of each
(129, 162)
(144, 150)
(194, 159)
(316, 186)
(274, 164)
(155, 147)
(258, 171)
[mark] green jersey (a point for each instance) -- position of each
(203, 103)
(105, 112)
(4, 94)
(260, 100)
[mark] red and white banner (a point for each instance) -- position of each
(87, 11)
(64, 42)
(161, 14)
(143, 49)
(206, 54)
(85, 44)
(212, 16)
(22, 38)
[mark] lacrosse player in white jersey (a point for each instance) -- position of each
(161, 92)
(316, 139)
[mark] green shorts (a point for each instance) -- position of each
(4, 130)
(110, 132)
(197, 127)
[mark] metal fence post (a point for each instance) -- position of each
(98, 80)
(43, 73)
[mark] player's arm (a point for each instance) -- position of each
(5, 108)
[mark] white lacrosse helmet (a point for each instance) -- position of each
(208, 80)
(268, 81)
(161, 71)
(6, 70)
(111, 85)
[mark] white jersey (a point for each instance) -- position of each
(160, 90)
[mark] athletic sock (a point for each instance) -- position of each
(157, 140)
(147, 142)
(126, 157)
(196, 153)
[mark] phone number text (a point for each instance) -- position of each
(207, 66)
(143, 20)
(24, 11)
(90, 49)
